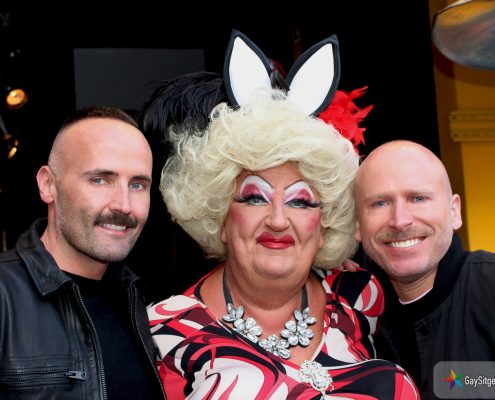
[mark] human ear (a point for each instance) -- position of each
(46, 184)
(357, 232)
(323, 231)
(223, 235)
(455, 209)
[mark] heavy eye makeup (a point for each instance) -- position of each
(300, 195)
(255, 190)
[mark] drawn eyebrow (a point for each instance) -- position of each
(295, 183)
(251, 177)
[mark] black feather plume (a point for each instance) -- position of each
(185, 101)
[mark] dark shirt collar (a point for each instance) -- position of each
(448, 271)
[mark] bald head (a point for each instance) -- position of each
(77, 131)
(406, 213)
(90, 136)
(394, 153)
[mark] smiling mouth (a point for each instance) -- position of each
(404, 243)
(113, 227)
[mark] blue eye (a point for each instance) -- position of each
(136, 186)
(98, 181)
(252, 199)
(301, 203)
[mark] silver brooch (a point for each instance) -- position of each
(318, 377)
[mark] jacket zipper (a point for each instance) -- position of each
(20, 376)
(99, 353)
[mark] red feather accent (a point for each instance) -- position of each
(345, 115)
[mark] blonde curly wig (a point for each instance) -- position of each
(198, 180)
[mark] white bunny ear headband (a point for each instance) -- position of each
(312, 80)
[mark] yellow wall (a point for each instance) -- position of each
(466, 122)
(479, 181)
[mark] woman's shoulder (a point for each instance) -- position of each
(355, 280)
(173, 307)
(359, 289)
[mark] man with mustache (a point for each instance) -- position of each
(73, 321)
(439, 297)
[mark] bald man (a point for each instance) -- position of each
(73, 322)
(440, 299)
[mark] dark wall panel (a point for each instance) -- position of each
(122, 77)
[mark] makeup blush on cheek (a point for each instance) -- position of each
(313, 221)
(313, 229)
(240, 217)
(236, 215)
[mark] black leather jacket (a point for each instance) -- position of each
(452, 322)
(48, 344)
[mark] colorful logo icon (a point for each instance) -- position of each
(453, 379)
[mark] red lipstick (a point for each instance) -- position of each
(276, 243)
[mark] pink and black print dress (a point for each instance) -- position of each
(203, 358)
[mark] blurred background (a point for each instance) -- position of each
(88, 53)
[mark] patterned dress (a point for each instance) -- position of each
(203, 358)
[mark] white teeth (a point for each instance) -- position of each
(405, 243)
(114, 227)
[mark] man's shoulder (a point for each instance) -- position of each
(8, 256)
(480, 258)
(479, 271)
(12, 273)
(10, 263)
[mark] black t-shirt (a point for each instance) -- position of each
(126, 370)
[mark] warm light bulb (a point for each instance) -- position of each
(16, 98)
(13, 150)
(11, 143)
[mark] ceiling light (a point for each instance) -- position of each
(16, 98)
(464, 33)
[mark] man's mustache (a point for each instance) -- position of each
(116, 218)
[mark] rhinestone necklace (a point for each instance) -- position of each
(296, 332)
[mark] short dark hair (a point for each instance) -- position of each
(99, 112)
